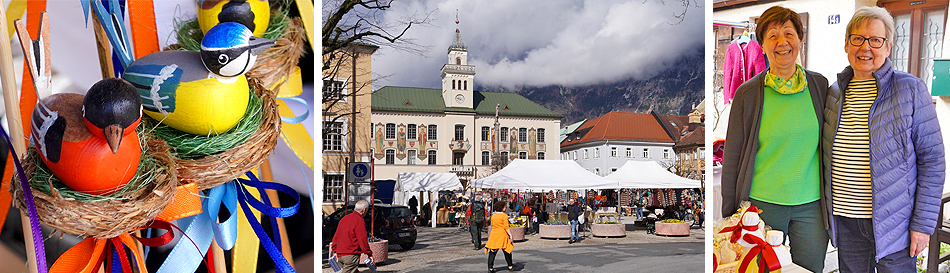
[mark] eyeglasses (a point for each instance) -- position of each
(858, 40)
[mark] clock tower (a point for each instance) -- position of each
(457, 76)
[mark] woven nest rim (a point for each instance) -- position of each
(214, 170)
(108, 218)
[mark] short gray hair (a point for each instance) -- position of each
(865, 15)
(361, 205)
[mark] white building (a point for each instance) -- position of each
(603, 144)
(451, 129)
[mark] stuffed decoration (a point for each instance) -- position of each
(202, 93)
(775, 239)
(751, 224)
(254, 14)
(89, 142)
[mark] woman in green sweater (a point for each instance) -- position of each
(771, 156)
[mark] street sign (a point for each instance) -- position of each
(359, 172)
(359, 191)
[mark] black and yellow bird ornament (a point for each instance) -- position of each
(201, 93)
(254, 14)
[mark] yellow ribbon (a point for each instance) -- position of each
(247, 246)
(15, 11)
(306, 13)
(294, 135)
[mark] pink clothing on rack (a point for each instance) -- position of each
(742, 62)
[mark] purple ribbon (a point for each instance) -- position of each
(38, 245)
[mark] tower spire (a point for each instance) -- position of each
(456, 18)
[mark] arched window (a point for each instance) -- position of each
(458, 61)
(466, 85)
(453, 84)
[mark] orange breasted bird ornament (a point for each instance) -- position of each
(89, 142)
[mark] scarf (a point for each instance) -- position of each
(794, 85)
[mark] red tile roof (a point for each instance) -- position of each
(695, 138)
(620, 126)
(677, 130)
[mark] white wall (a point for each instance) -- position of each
(824, 41)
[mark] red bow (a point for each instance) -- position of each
(737, 229)
(768, 255)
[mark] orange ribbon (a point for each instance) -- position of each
(768, 257)
(142, 21)
(185, 203)
(738, 228)
(88, 255)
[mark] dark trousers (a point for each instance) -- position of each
(491, 258)
(856, 249)
(475, 228)
(350, 263)
(805, 228)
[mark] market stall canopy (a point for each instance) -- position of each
(649, 175)
(544, 175)
(413, 182)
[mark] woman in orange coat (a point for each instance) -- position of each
(497, 239)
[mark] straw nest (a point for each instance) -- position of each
(67, 211)
(214, 170)
(275, 65)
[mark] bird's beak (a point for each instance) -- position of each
(113, 134)
(258, 45)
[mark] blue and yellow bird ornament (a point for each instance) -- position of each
(201, 93)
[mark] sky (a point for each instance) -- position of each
(540, 43)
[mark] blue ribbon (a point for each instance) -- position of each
(301, 117)
(245, 198)
(203, 228)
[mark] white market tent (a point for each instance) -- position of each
(428, 182)
(544, 175)
(649, 175)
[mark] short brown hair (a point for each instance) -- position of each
(500, 205)
(778, 15)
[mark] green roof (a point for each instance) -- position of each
(570, 128)
(429, 100)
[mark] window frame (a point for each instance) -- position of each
(522, 155)
(540, 155)
(343, 89)
(328, 190)
(486, 158)
(411, 156)
(613, 152)
(486, 133)
(390, 156)
(331, 136)
(432, 157)
(522, 134)
(389, 130)
(432, 132)
(646, 153)
(540, 135)
(459, 132)
(629, 152)
(412, 132)
(504, 134)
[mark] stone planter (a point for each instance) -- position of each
(555, 231)
(517, 233)
(672, 229)
(608, 230)
(380, 251)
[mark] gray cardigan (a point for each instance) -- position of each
(743, 133)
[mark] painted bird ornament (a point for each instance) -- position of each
(89, 142)
(201, 93)
(254, 14)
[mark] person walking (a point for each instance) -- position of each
(500, 238)
(882, 152)
(350, 241)
(572, 211)
(413, 204)
(477, 214)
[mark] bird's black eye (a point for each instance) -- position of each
(223, 58)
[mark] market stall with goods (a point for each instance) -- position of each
(425, 182)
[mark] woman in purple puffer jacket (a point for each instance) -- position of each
(882, 155)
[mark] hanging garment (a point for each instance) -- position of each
(743, 60)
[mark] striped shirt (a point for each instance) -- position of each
(850, 153)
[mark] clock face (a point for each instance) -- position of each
(459, 98)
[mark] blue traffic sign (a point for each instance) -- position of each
(360, 170)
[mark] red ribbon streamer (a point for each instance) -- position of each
(738, 228)
(768, 255)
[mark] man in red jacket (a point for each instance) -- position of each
(350, 239)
